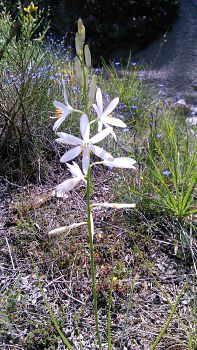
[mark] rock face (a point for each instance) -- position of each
(171, 61)
(114, 24)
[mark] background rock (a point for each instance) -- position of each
(171, 61)
(111, 24)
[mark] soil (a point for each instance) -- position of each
(138, 253)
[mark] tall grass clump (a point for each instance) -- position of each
(165, 188)
(171, 170)
(125, 80)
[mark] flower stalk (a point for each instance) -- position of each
(85, 146)
(91, 245)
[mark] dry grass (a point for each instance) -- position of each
(129, 246)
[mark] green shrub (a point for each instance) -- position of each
(30, 74)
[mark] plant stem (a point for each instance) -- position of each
(90, 232)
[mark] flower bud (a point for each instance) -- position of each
(92, 89)
(78, 44)
(65, 229)
(87, 56)
(114, 205)
(78, 69)
(81, 30)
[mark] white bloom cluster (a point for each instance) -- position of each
(87, 144)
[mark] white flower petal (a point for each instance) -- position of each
(96, 109)
(92, 225)
(101, 153)
(115, 122)
(85, 162)
(121, 162)
(99, 100)
(63, 229)
(68, 139)
(111, 107)
(63, 107)
(113, 134)
(100, 126)
(114, 205)
(58, 122)
(71, 154)
(68, 185)
(75, 169)
(100, 136)
(85, 127)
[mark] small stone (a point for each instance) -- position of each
(181, 106)
(24, 281)
(193, 111)
(181, 102)
(156, 299)
(192, 121)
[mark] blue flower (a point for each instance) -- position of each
(166, 172)
(121, 117)
(159, 135)
(134, 106)
(121, 105)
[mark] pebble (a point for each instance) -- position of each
(182, 106)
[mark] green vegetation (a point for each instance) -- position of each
(129, 280)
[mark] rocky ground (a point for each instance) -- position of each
(144, 254)
(172, 60)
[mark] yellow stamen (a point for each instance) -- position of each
(58, 113)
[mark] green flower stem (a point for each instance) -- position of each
(90, 232)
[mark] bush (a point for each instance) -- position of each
(29, 81)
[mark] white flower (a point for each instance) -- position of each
(69, 184)
(120, 162)
(62, 110)
(84, 145)
(103, 116)
(63, 229)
